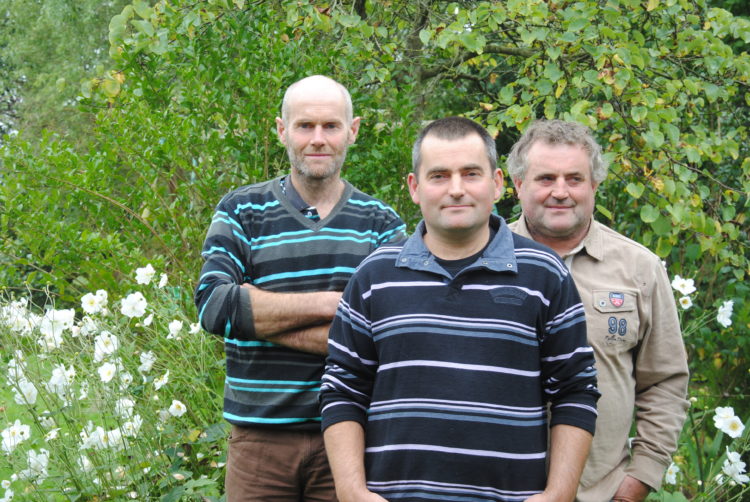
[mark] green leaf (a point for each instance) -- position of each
(662, 226)
(350, 21)
(552, 72)
(425, 36)
(649, 213)
(654, 138)
(636, 190)
(604, 211)
(144, 27)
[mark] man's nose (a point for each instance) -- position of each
(318, 138)
(456, 186)
(560, 189)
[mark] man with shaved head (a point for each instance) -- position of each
(277, 256)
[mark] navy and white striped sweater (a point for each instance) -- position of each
(451, 376)
(258, 236)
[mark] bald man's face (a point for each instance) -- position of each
(316, 132)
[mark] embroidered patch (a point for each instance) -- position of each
(616, 299)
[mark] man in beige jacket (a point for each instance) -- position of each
(631, 314)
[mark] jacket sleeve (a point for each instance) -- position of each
(661, 375)
(352, 360)
(224, 306)
(567, 361)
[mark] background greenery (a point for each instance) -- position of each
(126, 122)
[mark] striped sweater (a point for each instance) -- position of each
(451, 376)
(257, 236)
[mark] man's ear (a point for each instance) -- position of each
(354, 130)
(499, 183)
(280, 130)
(411, 181)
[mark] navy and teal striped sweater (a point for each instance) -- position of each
(257, 236)
(451, 376)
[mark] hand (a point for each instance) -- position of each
(365, 496)
(631, 490)
(540, 497)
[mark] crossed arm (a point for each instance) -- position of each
(299, 321)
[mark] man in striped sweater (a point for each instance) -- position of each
(447, 349)
(277, 256)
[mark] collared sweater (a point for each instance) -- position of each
(451, 376)
(257, 236)
(634, 329)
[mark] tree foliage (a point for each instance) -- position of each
(186, 111)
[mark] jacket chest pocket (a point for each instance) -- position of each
(615, 323)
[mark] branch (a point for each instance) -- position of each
(488, 49)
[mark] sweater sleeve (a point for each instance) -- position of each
(352, 360)
(568, 373)
(223, 305)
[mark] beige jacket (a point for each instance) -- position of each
(632, 324)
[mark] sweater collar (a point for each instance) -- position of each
(499, 256)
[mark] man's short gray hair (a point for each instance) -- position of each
(556, 132)
(453, 128)
(348, 108)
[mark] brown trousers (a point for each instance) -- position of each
(277, 466)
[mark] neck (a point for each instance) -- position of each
(560, 245)
(458, 247)
(323, 194)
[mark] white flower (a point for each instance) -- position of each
(25, 393)
(126, 378)
(195, 328)
(88, 326)
(14, 435)
(91, 438)
(46, 421)
(724, 316)
(733, 427)
(163, 280)
(671, 475)
(161, 381)
(8, 496)
(144, 275)
(134, 305)
(684, 286)
(107, 371)
(61, 381)
(174, 328)
(105, 344)
(685, 302)
(83, 391)
(38, 463)
(124, 407)
(114, 440)
(147, 362)
(5, 484)
(54, 322)
(148, 320)
(734, 467)
(102, 296)
(177, 409)
(52, 434)
(131, 428)
(94, 303)
(722, 415)
(85, 464)
(17, 317)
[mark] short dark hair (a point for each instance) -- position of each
(452, 128)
